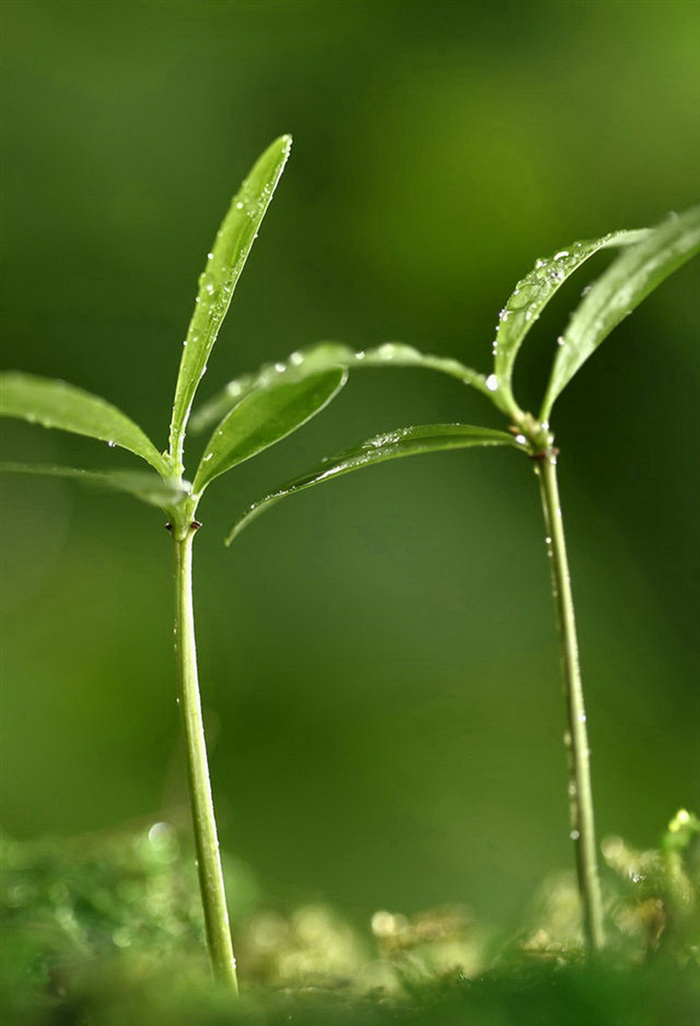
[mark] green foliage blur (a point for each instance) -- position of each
(378, 658)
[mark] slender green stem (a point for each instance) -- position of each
(211, 880)
(580, 794)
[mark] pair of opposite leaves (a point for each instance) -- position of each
(253, 412)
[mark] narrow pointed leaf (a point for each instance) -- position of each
(322, 357)
(531, 295)
(624, 285)
(264, 417)
(142, 484)
(409, 441)
(55, 404)
(216, 285)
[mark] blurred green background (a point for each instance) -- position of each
(378, 657)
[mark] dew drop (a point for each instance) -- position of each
(574, 835)
(111, 444)
(492, 383)
(280, 367)
(296, 359)
(122, 937)
(521, 439)
(561, 254)
(158, 832)
(239, 205)
(560, 340)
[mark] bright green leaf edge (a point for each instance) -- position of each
(56, 404)
(409, 441)
(225, 263)
(529, 298)
(324, 356)
(628, 281)
(150, 488)
(265, 417)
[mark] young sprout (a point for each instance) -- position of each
(271, 410)
(647, 258)
(258, 410)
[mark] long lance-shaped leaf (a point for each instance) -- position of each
(322, 357)
(409, 441)
(143, 485)
(264, 417)
(55, 404)
(529, 298)
(224, 265)
(618, 291)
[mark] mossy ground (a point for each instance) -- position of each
(107, 932)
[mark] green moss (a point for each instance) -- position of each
(108, 930)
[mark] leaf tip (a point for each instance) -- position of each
(232, 535)
(283, 144)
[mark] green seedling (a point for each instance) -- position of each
(258, 410)
(269, 412)
(647, 257)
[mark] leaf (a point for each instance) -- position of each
(618, 291)
(216, 285)
(529, 298)
(322, 357)
(409, 441)
(144, 485)
(55, 404)
(264, 417)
